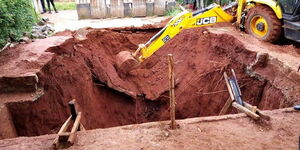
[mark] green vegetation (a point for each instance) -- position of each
(65, 5)
(174, 11)
(16, 17)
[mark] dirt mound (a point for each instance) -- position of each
(193, 51)
(84, 69)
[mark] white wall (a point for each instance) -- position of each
(37, 5)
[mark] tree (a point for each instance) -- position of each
(16, 17)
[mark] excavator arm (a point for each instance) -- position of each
(184, 20)
(260, 18)
(208, 16)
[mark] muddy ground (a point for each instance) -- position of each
(232, 132)
(83, 67)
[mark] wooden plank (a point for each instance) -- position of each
(82, 128)
(73, 109)
(257, 111)
(139, 8)
(63, 137)
(238, 86)
(74, 129)
(226, 106)
(245, 110)
(250, 107)
(228, 86)
(63, 128)
(171, 90)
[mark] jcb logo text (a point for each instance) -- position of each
(207, 20)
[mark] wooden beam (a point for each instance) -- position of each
(63, 137)
(73, 109)
(238, 86)
(74, 129)
(63, 128)
(82, 128)
(245, 110)
(226, 107)
(172, 93)
(257, 111)
(250, 107)
(228, 86)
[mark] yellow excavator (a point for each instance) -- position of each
(264, 19)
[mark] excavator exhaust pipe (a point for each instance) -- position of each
(126, 61)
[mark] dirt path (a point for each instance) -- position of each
(68, 20)
(234, 132)
(288, 54)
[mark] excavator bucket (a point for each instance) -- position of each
(126, 61)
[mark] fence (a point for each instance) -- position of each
(122, 8)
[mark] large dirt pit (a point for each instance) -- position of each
(84, 68)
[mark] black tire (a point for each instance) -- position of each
(274, 24)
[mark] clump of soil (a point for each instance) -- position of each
(84, 69)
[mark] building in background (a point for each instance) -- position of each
(98, 9)
(122, 8)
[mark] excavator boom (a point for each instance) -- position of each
(206, 17)
(266, 20)
(184, 20)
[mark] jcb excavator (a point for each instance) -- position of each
(264, 19)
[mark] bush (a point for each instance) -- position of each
(16, 17)
(174, 11)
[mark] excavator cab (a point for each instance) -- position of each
(291, 19)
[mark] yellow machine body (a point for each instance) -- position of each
(207, 17)
(271, 3)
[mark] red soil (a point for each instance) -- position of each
(83, 68)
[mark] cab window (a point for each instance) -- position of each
(288, 6)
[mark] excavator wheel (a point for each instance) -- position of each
(263, 24)
(126, 62)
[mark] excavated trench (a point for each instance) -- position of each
(84, 69)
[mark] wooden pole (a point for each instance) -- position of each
(228, 86)
(63, 128)
(245, 110)
(172, 93)
(231, 98)
(74, 129)
(226, 107)
(73, 109)
(238, 86)
(257, 111)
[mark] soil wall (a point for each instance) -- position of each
(84, 69)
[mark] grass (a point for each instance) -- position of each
(174, 11)
(65, 5)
